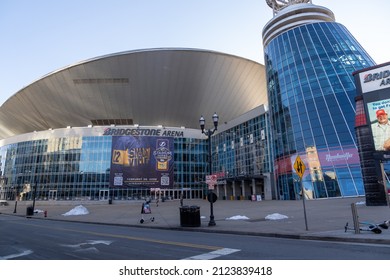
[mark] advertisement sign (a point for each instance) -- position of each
(142, 161)
(338, 157)
(375, 92)
(315, 159)
(378, 114)
(375, 79)
(283, 165)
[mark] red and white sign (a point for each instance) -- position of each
(211, 179)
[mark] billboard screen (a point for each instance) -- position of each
(142, 161)
(378, 113)
(374, 83)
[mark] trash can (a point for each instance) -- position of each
(110, 200)
(190, 216)
(29, 211)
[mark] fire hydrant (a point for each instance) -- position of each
(45, 213)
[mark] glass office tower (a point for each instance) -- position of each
(309, 62)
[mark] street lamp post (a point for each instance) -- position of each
(208, 133)
(34, 196)
(16, 198)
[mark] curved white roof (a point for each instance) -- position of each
(169, 87)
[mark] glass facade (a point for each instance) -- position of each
(78, 167)
(243, 150)
(191, 163)
(311, 97)
(241, 155)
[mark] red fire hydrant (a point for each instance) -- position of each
(45, 213)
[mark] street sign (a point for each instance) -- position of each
(211, 179)
(299, 167)
(212, 197)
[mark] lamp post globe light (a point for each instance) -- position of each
(210, 195)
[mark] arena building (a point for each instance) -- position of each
(126, 125)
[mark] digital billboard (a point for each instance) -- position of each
(378, 113)
(142, 161)
(373, 130)
(375, 90)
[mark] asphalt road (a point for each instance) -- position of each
(37, 239)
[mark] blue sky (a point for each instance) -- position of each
(41, 36)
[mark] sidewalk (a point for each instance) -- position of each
(325, 219)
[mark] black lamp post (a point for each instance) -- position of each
(16, 198)
(208, 133)
(34, 196)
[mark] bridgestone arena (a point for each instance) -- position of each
(126, 126)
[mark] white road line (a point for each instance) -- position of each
(213, 254)
(13, 256)
(89, 242)
(87, 246)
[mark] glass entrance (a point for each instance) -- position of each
(52, 194)
(103, 195)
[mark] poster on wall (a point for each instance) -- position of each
(142, 162)
(378, 112)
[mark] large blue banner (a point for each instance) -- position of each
(142, 161)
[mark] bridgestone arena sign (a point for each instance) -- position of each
(376, 79)
(142, 132)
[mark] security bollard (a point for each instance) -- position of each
(355, 218)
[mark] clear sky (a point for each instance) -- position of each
(41, 36)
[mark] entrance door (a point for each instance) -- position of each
(103, 195)
(52, 194)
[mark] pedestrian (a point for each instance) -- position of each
(181, 199)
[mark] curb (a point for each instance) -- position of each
(231, 232)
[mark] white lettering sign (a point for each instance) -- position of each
(375, 79)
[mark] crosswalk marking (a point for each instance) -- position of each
(213, 254)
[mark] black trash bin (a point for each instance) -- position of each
(110, 200)
(190, 216)
(29, 211)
